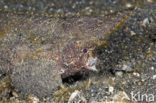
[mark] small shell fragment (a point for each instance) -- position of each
(77, 97)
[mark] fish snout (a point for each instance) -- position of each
(91, 64)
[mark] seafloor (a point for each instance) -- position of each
(126, 67)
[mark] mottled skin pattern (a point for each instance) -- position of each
(68, 42)
(38, 52)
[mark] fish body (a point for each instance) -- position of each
(68, 43)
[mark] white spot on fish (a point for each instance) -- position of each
(91, 64)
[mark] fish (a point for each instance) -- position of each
(67, 42)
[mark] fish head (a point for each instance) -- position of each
(77, 56)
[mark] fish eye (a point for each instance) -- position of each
(85, 50)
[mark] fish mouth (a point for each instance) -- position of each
(91, 64)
